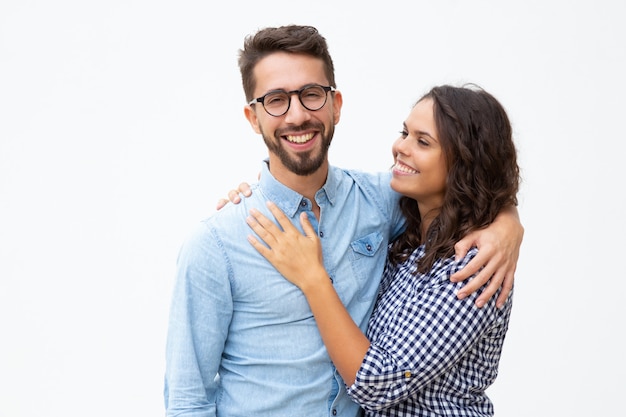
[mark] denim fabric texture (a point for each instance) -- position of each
(242, 340)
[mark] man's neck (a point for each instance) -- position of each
(306, 185)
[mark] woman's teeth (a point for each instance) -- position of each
(404, 168)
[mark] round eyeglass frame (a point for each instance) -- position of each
(289, 94)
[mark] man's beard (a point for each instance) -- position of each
(305, 163)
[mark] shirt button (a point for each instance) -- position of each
(369, 248)
(334, 412)
(303, 203)
(407, 374)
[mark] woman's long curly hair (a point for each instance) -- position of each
(477, 141)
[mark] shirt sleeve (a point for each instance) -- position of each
(425, 336)
(200, 313)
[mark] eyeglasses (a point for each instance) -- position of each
(276, 103)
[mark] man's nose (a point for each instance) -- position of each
(296, 111)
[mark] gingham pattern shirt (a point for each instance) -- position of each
(431, 354)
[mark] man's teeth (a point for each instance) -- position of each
(404, 168)
(300, 139)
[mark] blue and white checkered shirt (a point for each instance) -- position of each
(431, 354)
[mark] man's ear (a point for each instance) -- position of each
(337, 103)
(250, 114)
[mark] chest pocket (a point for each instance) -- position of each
(367, 263)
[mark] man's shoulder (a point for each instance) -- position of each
(376, 185)
(381, 176)
(226, 220)
(377, 180)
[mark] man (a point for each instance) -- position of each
(242, 340)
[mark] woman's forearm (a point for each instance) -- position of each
(345, 342)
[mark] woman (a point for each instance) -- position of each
(425, 352)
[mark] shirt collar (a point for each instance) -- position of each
(288, 200)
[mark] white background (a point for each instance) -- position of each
(121, 125)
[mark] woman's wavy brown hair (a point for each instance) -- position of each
(477, 140)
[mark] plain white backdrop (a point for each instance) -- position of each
(121, 125)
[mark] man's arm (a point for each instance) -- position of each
(200, 314)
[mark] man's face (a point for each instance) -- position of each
(297, 141)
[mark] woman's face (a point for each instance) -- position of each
(420, 168)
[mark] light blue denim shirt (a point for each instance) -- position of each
(242, 340)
